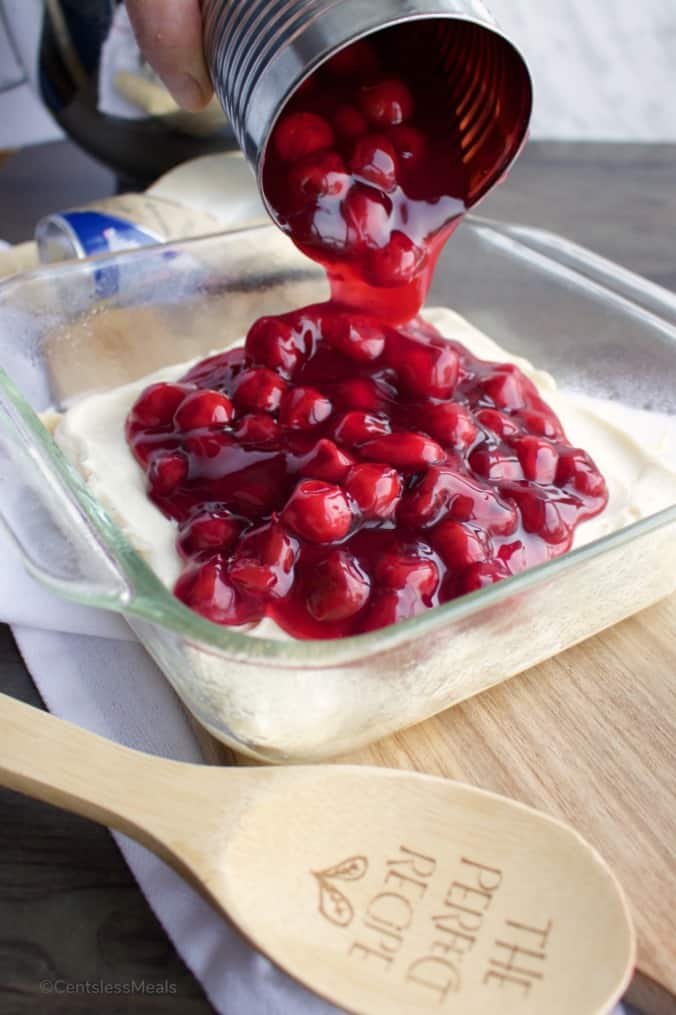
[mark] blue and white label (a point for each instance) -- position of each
(99, 233)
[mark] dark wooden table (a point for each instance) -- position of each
(69, 908)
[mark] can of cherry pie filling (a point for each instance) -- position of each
(260, 54)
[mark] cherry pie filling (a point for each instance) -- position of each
(349, 467)
(338, 474)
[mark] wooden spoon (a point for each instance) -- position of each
(383, 891)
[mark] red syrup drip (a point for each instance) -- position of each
(350, 467)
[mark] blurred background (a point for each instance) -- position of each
(603, 71)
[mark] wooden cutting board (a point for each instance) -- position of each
(590, 737)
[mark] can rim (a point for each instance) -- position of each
(493, 29)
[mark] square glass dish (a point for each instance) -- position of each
(87, 326)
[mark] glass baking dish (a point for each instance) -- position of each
(92, 325)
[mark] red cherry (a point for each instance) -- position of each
(353, 428)
(397, 263)
(403, 450)
(367, 216)
(253, 577)
(257, 488)
(491, 512)
(145, 444)
(576, 469)
(458, 544)
(218, 371)
(539, 459)
(167, 471)
(478, 576)
(357, 60)
(374, 161)
(540, 514)
(387, 102)
(323, 229)
(304, 408)
(390, 606)
(207, 590)
(494, 464)
(257, 428)
(497, 423)
(398, 570)
(359, 393)
(206, 452)
(423, 370)
(356, 336)
(427, 501)
(306, 323)
(302, 134)
(317, 511)
(375, 489)
(272, 343)
(155, 406)
(258, 390)
(326, 461)
(450, 423)
(409, 143)
(211, 529)
(340, 587)
(264, 562)
(508, 388)
(443, 491)
(349, 123)
(544, 424)
(319, 175)
(203, 408)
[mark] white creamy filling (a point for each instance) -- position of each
(634, 449)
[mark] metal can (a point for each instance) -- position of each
(259, 53)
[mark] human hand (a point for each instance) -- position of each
(169, 33)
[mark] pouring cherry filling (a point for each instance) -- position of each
(365, 172)
(349, 467)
